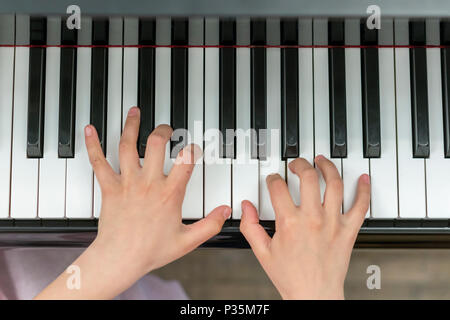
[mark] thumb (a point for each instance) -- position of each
(255, 234)
(206, 228)
(361, 204)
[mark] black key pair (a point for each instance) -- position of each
(67, 94)
(289, 89)
(227, 80)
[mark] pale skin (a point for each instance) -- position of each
(141, 228)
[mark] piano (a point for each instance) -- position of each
(375, 101)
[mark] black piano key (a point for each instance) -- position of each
(36, 88)
(338, 102)
(99, 79)
(419, 90)
(258, 113)
(179, 80)
(67, 93)
(445, 70)
(370, 83)
(146, 86)
(289, 90)
(227, 79)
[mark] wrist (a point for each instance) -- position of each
(121, 260)
(104, 267)
(100, 274)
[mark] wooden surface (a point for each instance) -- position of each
(236, 274)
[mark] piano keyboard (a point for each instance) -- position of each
(379, 110)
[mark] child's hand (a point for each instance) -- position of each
(140, 226)
(309, 254)
(140, 219)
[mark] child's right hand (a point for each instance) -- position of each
(309, 254)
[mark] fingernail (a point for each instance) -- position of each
(88, 131)
(243, 206)
(319, 157)
(291, 167)
(226, 212)
(197, 152)
(365, 178)
(133, 111)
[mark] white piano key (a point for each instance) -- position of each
(52, 170)
(217, 171)
(193, 201)
(6, 101)
(114, 118)
(25, 175)
(162, 81)
(273, 162)
(130, 66)
(306, 105)
(411, 173)
(437, 166)
(383, 171)
(79, 194)
(355, 164)
(245, 171)
(321, 97)
(217, 184)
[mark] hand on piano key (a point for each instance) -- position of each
(309, 254)
(140, 227)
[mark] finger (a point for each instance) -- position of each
(206, 228)
(184, 165)
(361, 204)
(103, 171)
(309, 182)
(255, 234)
(279, 195)
(155, 153)
(334, 190)
(128, 154)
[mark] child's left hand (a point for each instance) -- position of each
(140, 226)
